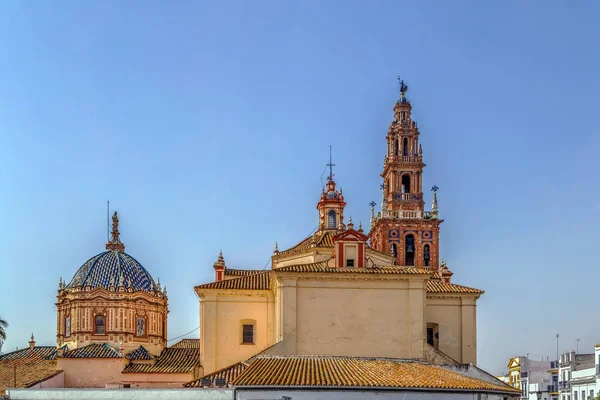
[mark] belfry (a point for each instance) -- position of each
(403, 228)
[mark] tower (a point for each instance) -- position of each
(403, 228)
(331, 204)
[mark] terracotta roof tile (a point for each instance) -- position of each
(187, 344)
(30, 370)
(443, 287)
(356, 372)
(94, 350)
(378, 269)
(228, 373)
(241, 272)
(259, 281)
(171, 360)
(317, 240)
(38, 351)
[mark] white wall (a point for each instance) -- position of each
(57, 381)
(583, 380)
(357, 395)
(117, 394)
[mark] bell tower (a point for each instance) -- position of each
(403, 228)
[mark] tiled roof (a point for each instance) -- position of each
(378, 251)
(94, 350)
(356, 372)
(378, 269)
(228, 373)
(241, 272)
(187, 344)
(108, 267)
(443, 287)
(38, 351)
(171, 360)
(30, 370)
(139, 354)
(259, 281)
(317, 240)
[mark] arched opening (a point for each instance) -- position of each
(396, 147)
(409, 250)
(426, 256)
(331, 220)
(394, 250)
(405, 147)
(405, 184)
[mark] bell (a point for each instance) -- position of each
(410, 249)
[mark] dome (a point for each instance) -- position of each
(113, 268)
(107, 268)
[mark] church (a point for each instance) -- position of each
(344, 309)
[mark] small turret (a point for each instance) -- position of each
(219, 267)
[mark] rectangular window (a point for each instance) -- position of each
(349, 262)
(583, 395)
(68, 326)
(99, 325)
(248, 334)
(592, 394)
(575, 395)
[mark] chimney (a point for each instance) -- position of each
(219, 267)
(31, 342)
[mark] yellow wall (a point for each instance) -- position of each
(456, 318)
(91, 372)
(351, 315)
(220, 327)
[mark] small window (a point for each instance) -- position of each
(350, 262)
(99, 325)
(331, 220)
(140, 325)
(426, 255)
(68, 326)
(248, 334)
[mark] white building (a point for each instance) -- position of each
(570, 363)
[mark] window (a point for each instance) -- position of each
(409, 250)
(99, 325)
(331, 220)
(426, 256)
(405, 184)
(592, 394)
(350, 255)
(140, 327)
(524, 388)
(575, 395)
(248, 334)
(393, 250)
(68, 326)
(396, 147)
(405, 147)
(583, 395)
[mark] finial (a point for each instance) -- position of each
(420, 149)
(165, 291)
(114, 244)
(434, 205)
(360, 229)
(221, 259)
(32, 336)
(158, 284)
(276, 248)
(330, 165)
(403, 89)
(372, 218)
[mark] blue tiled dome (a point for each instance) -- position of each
(107, 268)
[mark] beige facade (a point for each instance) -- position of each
(91, 372)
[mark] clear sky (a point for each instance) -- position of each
(207, 125)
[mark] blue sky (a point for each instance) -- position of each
(207, 125)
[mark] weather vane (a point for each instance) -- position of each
(330, 165)
(434, 188)
(372, 204)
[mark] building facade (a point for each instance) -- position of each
(343, 296)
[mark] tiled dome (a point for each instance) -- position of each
(113, 268)
(107, 268)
